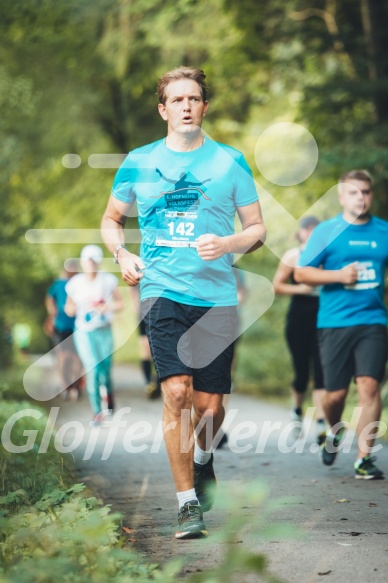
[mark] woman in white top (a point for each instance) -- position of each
(93, 296)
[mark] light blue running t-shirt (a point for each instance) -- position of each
(336, 243)
(180, 196)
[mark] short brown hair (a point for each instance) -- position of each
(357, 175)
(181, 73)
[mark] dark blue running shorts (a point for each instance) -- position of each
(192, 340)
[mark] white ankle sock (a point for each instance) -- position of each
(186, 496)
(200, 456)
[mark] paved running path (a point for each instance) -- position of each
(339, 524)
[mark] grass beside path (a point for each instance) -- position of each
(48, 525)
(54, 530)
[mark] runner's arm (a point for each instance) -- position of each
(112, 232)
(283, 273)
(51, 307)
(318, 276)
(251, 237)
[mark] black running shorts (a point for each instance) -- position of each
(352, 352)
(191, 340)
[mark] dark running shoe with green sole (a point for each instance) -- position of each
(367, 470)
(321, 437)
(329, 447)
(205, 484)
(190, 521)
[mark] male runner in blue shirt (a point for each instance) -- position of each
(348, 255)
(188, 189)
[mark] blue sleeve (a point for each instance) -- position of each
(314, 253)
(134, 171)
(122, 188)
(52, 289)
(245, 188)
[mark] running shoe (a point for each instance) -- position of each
(190, 521)
(366, 470)
(205, 483)
(320, 431)
(329, 447)
(321, 438)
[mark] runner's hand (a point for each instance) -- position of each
(131, 266)
(349, 273)
(211, 247)
(304, 289)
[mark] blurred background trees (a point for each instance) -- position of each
(80, 77)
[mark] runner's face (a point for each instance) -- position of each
(184, 108)
(356, 198)
(89, 266)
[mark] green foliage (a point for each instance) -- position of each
(47, 527)
(29, 472)
(67, 534)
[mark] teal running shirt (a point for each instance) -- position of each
(180, 196)
(63, 322)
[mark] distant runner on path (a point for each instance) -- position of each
(61, 328)
(348, 255)
(301, 330)
(93, 296)
(188, 288)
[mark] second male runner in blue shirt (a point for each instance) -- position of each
(348, 256)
